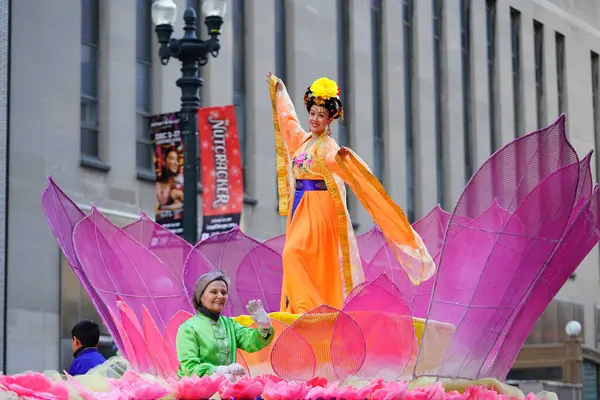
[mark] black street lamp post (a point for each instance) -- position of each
(193, 53)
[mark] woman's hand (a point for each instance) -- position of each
(234, 369)
(343, 151)
(269, 77)
(259, 315)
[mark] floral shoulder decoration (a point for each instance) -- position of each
(303, 162)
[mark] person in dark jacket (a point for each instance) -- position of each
(86, 335)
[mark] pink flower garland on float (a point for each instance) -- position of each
(267, 387)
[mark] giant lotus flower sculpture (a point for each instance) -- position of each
(522, 225)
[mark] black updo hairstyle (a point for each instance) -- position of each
(333, 104)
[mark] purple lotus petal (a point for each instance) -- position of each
(62, 215)
(171, 249)
(194, 266)
(491, 261)
(276, 243)
(543, 216)
(432, 229)
(585, 185)
(369, 245)
(580, 238)
(119, 266)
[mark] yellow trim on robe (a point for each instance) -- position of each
(342, 217)
(282, 162)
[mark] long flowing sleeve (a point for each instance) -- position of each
(284, 115)
(407, 245)
(251, 340)
(289, 135)
(188, 353)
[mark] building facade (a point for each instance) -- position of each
(432, 88)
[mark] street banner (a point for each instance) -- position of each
(168, 163)
(222, 184)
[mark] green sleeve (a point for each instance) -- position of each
(250, 339)
(188, 353)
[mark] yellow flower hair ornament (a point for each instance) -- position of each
(324, 88)
(325, 92)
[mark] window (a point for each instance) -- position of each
(438, 72)
(343, 66)
(409, 62)
(90, 66)
(144, 161)
(536, 374)
(515, 36)
(538, 44)
(239, 74)
(376, 65)
(465, 44)
(492, 79)
(560, 73)
(596, 110)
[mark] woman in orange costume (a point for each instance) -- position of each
(321, 264)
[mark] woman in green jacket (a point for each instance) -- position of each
(207, 343)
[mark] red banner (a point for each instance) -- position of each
(221, 169)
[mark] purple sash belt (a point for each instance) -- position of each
(308, 185)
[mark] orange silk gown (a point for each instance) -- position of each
(321, 264)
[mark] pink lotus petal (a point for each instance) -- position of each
(139, 387)
(166, 364)
(433, 392)
(390, 341)
(171, 332)
(126, 348)
(143, 353)
(285, 390)
(350, 393)
(391, 391)
(193, 388)
(35, 386)
(243, 388)
(317, 381)
(319, 392)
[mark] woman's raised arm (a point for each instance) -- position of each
(284, 115)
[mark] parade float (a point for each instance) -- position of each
(525, 221)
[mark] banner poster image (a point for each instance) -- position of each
(222, 185)
(168, 162)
